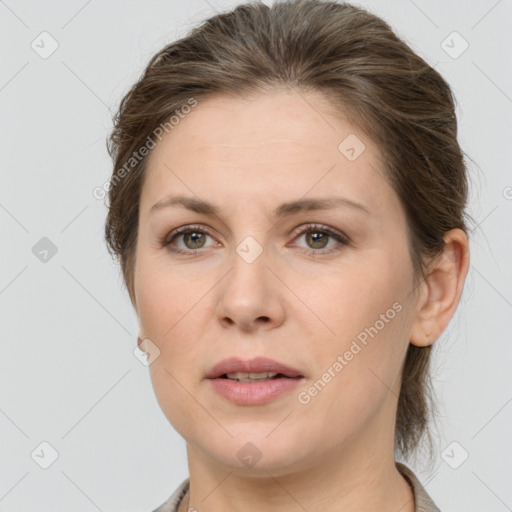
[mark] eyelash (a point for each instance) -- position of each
(342, 239)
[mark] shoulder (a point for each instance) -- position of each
(172, 503)
(423, 501)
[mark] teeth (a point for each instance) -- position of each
(250, 377)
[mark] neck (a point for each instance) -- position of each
(340, 480)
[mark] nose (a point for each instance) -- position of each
(250, 295)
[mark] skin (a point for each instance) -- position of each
(247, 157)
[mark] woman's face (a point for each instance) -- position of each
(255, 284)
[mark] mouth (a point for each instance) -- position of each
(257, 369)
(253, 382)
(254, 377)
(241, 391)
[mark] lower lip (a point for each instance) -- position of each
(254, 393)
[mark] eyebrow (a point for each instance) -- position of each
(284, 210)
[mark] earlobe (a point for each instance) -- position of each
(142, 345)
(442, 289)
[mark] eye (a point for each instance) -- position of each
(193, 237)
(317, 237)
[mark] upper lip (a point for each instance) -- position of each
(256, 365)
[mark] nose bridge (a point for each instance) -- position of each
(248, 293)
(249, 268)
(251, 232)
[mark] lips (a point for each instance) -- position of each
(256, 365)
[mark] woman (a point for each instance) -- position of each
(288, 208)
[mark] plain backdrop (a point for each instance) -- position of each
(68, 375)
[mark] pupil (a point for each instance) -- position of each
(194, 237)
(316, 236)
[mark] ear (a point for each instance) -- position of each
(441, 290)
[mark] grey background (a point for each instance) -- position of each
(68, 374)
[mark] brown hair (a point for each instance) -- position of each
(369, 75)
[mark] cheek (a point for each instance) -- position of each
(364, 319)
(173, 308)
(349, 299)
(165, 311)
(171, 391)
(163, 297)
(355, 382)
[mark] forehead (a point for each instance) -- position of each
(277, 144)
(234, 127)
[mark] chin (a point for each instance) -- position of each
(252, 450)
